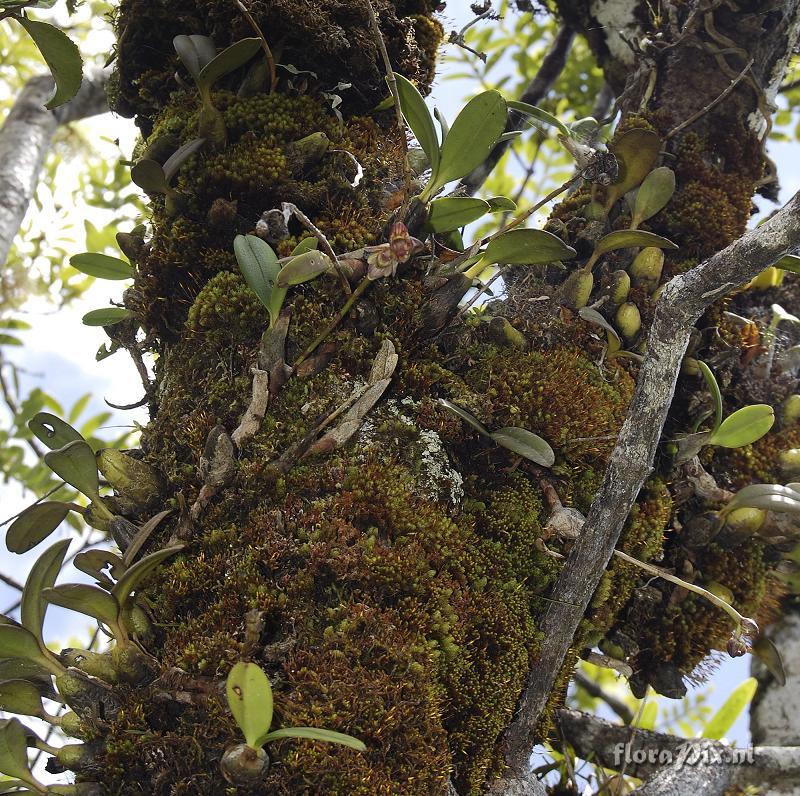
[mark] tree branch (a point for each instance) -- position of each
(675, 765)
(25, 140)
(552, 66)
(683, 301)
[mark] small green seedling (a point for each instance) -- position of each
(250, 699)
(744, 427)
(198, 55)
(518, 440)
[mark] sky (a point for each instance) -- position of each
(59, 354)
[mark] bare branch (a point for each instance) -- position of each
(25, 140)
(682, 302)
(594, 689)
(676, 765)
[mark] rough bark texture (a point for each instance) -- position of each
(25, 140)
(391, 582)
(678, 766)
(775, 714)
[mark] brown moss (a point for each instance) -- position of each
(330, 40)
(560, 395)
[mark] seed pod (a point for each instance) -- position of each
(131, 477)
(505, 334)
(594, 211)
(75, 756)
(791, 410)
(619, 288)
(719, 590)
(94, 663)
(132, 665)
(790, 462)
(70, 723)
(646, 268)
(577, 289)
(689, 367)
(244, 766)
(746, 520)
(628, 321)
(138, 623)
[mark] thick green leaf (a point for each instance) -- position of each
(9, 339)
(766, 651)
(75, 464)
(303, 268)
(466, 416)
(527, 247)
(17, 786)
(17, 642)
(20, 696)
(454, 212)
(52, 431)
(84, 599)
(306, 245)
(173, 163)
(471, 138)
(238, 54)
(34, 525)
(62, 56)
(791, 262)
(713, 388)
(731, 709)
(636, 152)
(22, 669)
(195, 52)
(526, 444)
(593, 316)
(419, 119)
(313, 734)
(14, 323)
(744, 426)
(107, 316)
(773, 497)
(774, 502)
(133, 576)
(250, 700)
(101, 266)
(260, 268)
(779, 314)
(149, 176)
(630, 238)
(501, 204)
(14, 751)
(540, 115)
(653, 194)
(43, 575)
(95, 562)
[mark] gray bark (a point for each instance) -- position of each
(25, 140)
(775, 713)
(677, 766)
(683, 301)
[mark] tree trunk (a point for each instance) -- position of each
(25, 140)
(384, 564)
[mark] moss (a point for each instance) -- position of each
(756, 463)
(560, 395)
(711, 206)
(685, 628)
(330, 40)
